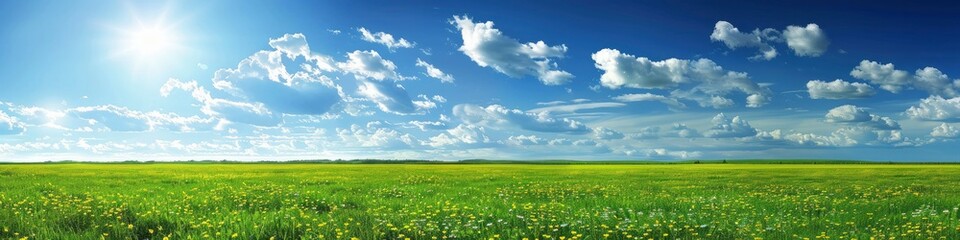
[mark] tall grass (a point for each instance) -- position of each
(478, 201)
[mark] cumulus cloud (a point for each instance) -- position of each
(647, 133)
(10, 125)
(425, 103)
(385, 38)
(884, 75)
(295, 45)
(581, 145)
(369, 65)
(497, 116)
(488, 47)
(682, 131)
(262, 84)
(928, 79)
(625, 70)
(848, 113)
(659, 153)
(709, 82)
(839, 89)
(807, 41)
(389, 97)
(463, 134)
(603, 133)
(851, 114)
(936, 82)
(375, 135)
(372, 71)
(264, 91)
(434, 72)
(945, 131)
(936, 108)
(234, 111)
(725, 32)
(854, 136)
(639, 97)
(724, 127)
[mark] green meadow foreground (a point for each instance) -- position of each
(479, 201)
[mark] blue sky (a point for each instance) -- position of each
(273, 80)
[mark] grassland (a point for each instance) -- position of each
(479, 201)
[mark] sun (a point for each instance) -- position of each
(148, 42)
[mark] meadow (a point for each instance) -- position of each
(479, 201)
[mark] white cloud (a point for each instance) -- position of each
(551, 103)
(292, 45)
(525, 140)
(638, 97)
(115, 118)
(559, 142)
(725, 32)
(463, 134)
(264, 84)
(724, 127)
(425, 103)
(469, 134)
(848, 113)
(435, 72)
(838, 89)
(658, 153)
(856, 115)
(10, 125)
(945, 131)
(621, 70)
(488, 47)
(676, 130)
(774, 135)
(807, 41)
(497, 116)
(682, 131)
(234, 111)
(560, 107)
(936, 82)
(386, 39)
(936, 108)
(884, 75)
(603, 133)
(295, 45)
(854, 136)
(429, 125)
(647, 133)
(369, 65)
(102, 118)
(710, 82)
(928, 79)
(374, 135)
(388, 96)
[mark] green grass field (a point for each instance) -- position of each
(479, 201)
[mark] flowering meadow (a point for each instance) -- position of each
(478, 201)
